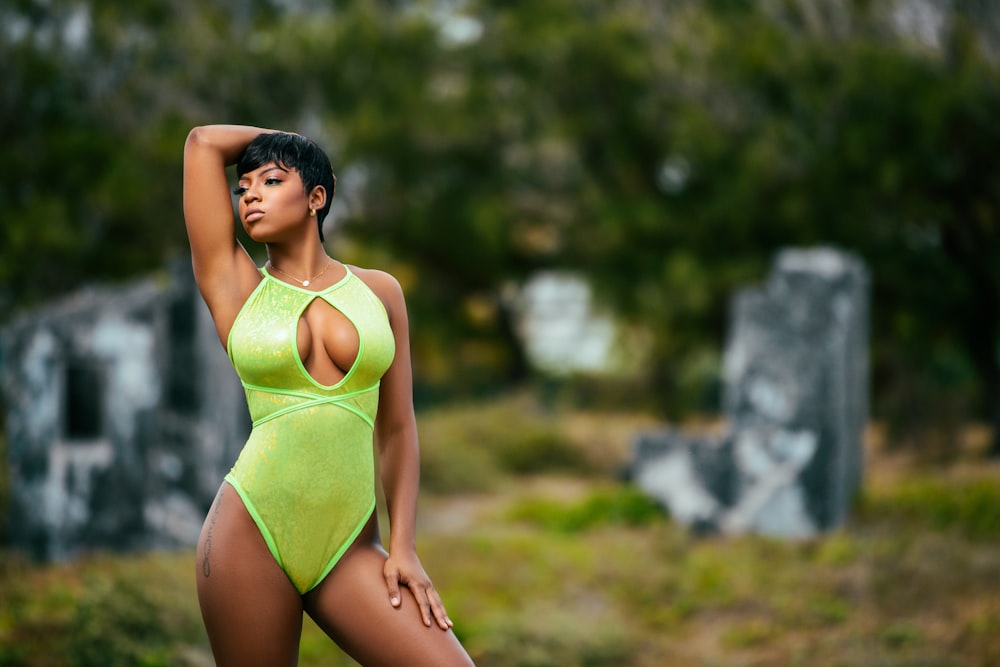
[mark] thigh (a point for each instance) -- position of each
(252, 613)
(352, 606)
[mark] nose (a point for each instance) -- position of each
(250, 195)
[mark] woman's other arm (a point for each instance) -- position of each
(399, 462)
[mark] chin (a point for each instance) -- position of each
(263, 234)
(259, 232)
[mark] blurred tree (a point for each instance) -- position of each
(778, 135)
(663, 150)
(95, 102)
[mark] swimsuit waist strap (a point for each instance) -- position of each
(312, 400)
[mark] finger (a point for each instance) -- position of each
(420, 594)
(440, 614)
(392, 584)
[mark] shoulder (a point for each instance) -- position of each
(385, 286)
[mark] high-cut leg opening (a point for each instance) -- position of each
(348, 543)
(251, 509)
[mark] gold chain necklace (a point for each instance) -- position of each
(304, 283)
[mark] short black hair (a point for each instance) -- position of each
(295, 152)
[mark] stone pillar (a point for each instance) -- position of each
(795, 396)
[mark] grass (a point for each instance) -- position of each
(552, 563)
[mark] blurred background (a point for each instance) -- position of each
(644, 159)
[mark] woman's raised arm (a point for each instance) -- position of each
(222, 268)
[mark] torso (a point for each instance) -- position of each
(306, 474)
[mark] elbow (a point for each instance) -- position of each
(196, 137)
(390, 437)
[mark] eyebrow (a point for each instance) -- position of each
(268, 170)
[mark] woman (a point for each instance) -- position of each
(323, 353)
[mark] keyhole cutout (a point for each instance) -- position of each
(327, 341)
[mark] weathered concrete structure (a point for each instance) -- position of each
(796, 400)
(123, 414)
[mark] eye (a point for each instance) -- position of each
(272, 181)
(239, 191)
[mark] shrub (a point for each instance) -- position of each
(472, 447)
(109, 611)
(450, 463)
(548, 637)
(534, 447)
(618, 506)
(970, 507)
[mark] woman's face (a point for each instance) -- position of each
(273, 205)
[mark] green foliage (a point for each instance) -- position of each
(119, 623)
(537, 446)
(450, 462)
(536, 579)
(971, 508)
(554, 638)
(868, 595)
(664, 151)
(619, 506)
(472, 448)
(898, 635)
(754, 633)
(107, 612)
(4, 489)
(800, 139)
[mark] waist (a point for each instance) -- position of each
(267, 403)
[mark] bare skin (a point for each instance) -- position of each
(380, 607)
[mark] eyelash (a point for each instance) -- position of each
(239, 190)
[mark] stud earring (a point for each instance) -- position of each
(312, 213)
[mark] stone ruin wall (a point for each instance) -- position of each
(123, 413)
(796, 402)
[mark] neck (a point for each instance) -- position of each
(301, 260)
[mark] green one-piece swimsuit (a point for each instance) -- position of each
(306, 473)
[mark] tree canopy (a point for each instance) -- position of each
(664, 151)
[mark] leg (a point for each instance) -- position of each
(252, 612)
(352, 606)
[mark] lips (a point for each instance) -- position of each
(253, 214)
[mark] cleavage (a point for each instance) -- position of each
(328, 342)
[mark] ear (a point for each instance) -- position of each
(317, 198)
